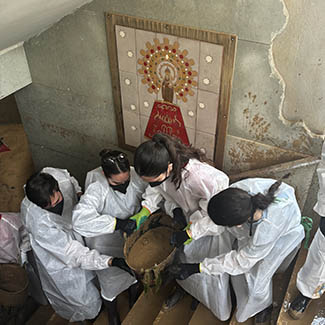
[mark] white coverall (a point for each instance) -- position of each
(94, 217)
(63, 262)
(253, 264)
(200, 182)
(14, 239)
(311, 277)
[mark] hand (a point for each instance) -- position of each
(183, 271)
(128, 226)
(141, 217)
(120, 262)
(179, 217)
(180, 238)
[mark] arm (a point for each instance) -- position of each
(70, 252)
(236, 262)
(210, 182)
(86, 217)
(151, 199)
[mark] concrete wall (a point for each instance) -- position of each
(68, 110)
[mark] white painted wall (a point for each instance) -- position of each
(22, 19)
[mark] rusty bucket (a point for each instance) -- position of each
(148, 251)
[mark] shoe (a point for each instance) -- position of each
(174, 298)
(299, 306)
(264, 316)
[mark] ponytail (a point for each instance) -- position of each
(234, 206)
(262, 201)
(152, 157)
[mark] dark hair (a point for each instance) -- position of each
(40, 187)
(114, 162)
(234, 206)
(152, 157)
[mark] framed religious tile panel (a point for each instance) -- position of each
(170, 79)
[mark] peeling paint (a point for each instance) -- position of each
(276, 74)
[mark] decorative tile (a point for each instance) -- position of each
(146, 99)
(129, 91)
(210, 66)
(189, 110)
(207, 111)
(191, 135)
(143, 124)
(193, 49)
(205, 142)
(142, 37)
(125, 41)
(132, 128)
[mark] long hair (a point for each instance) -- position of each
(152, 157)
(234, 206)
(114, 162)
(40, 187)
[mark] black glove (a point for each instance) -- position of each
(183, 271)
(120, 262)
(179, 217)
(178, 238)
(127, 225)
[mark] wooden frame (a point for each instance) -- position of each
(229, 43)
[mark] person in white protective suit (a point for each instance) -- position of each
(181, 176)
(113, 193)
(266, 230)
(311, 277)
(63, 262)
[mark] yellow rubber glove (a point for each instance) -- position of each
(141, 216)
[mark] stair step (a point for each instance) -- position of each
(41, 315)
(180, 314)
(203, 315)
(315, 311)
(57, 320)
(147, 307)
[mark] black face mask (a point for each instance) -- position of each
(154, 184)
(58, 209)
(121, 187)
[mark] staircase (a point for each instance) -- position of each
(148, 310)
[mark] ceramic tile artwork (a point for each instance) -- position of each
(143, 59)
(207, 105)
(125, 39)
(132, 128)
(210, 66)
(205, 142)
(129, 91)
(143, 124)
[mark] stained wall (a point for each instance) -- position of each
(68, 110)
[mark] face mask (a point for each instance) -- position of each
(154, 184)
(58, 209)
(121, 187)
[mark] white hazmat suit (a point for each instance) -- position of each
(200, 182)
(311, 277)
(94, 217)
(62, 259)
(253, 264)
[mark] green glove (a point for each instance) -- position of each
(141, 217)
